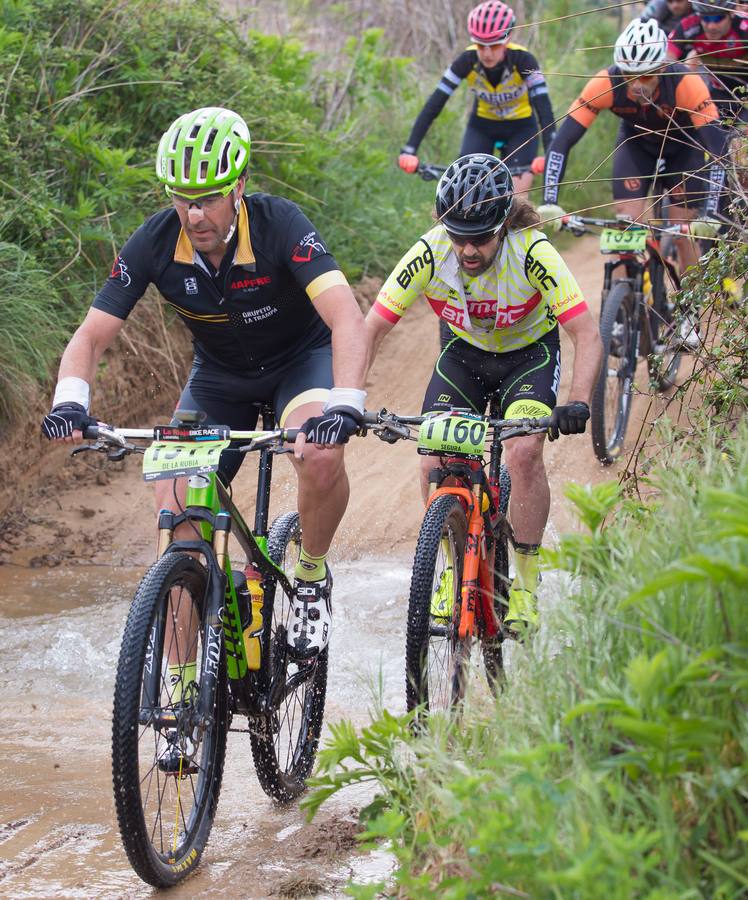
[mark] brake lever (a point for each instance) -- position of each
(392, 432)
(99, 447)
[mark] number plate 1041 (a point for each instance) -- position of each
(453, 435)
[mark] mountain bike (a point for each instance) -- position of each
(195, 653)
(637, 320)
(460, 582)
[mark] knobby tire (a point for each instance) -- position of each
(164, 819)
(435, 659)
(663, 367)
(613, 393)
(284, 743)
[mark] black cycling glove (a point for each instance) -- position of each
(334, 426)
(569, 419)
(64, 419)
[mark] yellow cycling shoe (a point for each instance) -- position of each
(522, 614)
(442, 600)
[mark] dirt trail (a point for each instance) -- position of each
(86, 537)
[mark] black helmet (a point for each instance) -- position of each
(724, 8)
(474, 195)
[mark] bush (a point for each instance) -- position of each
(89, 89)
(614, 763)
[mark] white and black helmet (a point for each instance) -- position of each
(474, 195)
(641, 47)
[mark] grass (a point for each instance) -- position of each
(614, 763)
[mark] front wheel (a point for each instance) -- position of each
(167, 756)
(612, 396)
(284, 742)
(436, 660)
(665, 361)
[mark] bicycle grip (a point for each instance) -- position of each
(91, 433)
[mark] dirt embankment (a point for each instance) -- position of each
(85, 510)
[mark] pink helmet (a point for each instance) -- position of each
(491, 22)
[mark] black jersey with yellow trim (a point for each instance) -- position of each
(256, 310)
(512, 90)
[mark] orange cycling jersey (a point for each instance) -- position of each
(679, 115)
(680, 99)
(520, 298)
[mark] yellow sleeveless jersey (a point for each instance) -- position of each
(521, 297)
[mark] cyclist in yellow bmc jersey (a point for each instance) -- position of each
(511, 96)
(502, 289)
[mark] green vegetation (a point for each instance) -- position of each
(90, 86)
(614, 763)
(88, 89)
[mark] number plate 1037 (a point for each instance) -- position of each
(453, 435)
(630, 240)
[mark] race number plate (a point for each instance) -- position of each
(632, 240)
(456, 434)
(173, 460)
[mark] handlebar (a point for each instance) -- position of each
(579, 225)
(431, 172)
(388, 427)
(108, 437)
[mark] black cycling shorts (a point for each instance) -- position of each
(680, 168)
(515, 141)
(465, 377)
(234, 398)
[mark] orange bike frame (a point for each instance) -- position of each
(477, 568)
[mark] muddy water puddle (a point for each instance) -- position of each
(60, 631)
(58, 831)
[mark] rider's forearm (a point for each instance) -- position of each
(541, 103)
(588, 355)
(376, 329)
(431, 109)
(349, 353)
(555, 165)
(79, 359)
(714, 140)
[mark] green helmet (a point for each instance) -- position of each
(206, 148)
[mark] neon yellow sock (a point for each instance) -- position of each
(310, 568)
(180, 678)
(526, 565)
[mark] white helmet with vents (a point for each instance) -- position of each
(641, 47)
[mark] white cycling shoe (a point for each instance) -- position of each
(310, 621)
(687, 335)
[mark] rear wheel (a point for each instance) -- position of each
(612, 396)
(167, 759)
(284, 743)
(436, 661)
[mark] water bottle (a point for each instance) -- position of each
(253, 631)
(243, 597)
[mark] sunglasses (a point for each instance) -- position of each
(477, 240)
(205, 200)
(717, 17)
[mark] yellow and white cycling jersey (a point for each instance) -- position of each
(521, 297)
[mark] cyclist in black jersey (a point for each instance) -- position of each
(272, 318)
(511, 97)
